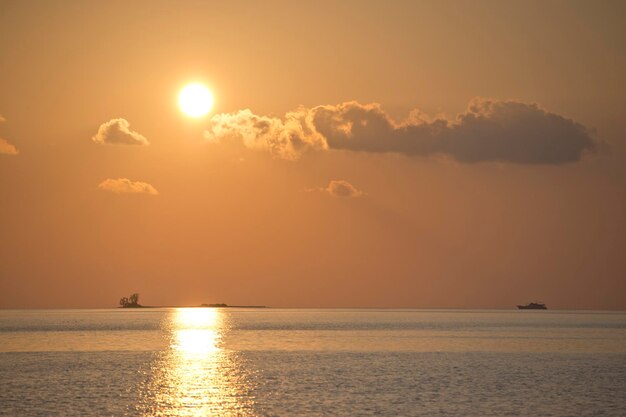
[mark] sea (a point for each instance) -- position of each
(312, 362)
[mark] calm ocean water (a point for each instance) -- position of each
(202, 361)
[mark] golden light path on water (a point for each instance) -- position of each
(196, 376)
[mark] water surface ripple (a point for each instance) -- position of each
(245, 362)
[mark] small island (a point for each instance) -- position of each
(130, 302)
(221, 305)
(133, 302)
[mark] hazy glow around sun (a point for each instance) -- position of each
(195, 100)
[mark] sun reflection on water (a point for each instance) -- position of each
(197, 331)
(197, 376)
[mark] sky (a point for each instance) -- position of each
(419, 154)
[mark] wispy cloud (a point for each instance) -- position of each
(488, 131)
(126, 186)
(339, 188)
(117, 132)
(5, 147)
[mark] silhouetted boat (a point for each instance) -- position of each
(533, 306)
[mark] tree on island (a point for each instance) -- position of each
(129, 302)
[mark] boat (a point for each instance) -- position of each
(533, 306)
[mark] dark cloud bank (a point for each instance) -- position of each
(489, 130)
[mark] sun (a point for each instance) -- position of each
(195, 100)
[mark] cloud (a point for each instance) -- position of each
(341, 188)
(5, 147)
(338, 188)
(126, 186)
(117, 132)
(488, 131)
(285, 138)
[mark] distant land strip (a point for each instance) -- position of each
(200, 306)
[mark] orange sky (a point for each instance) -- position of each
(313, 182)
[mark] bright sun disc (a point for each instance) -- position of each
(195, 100)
